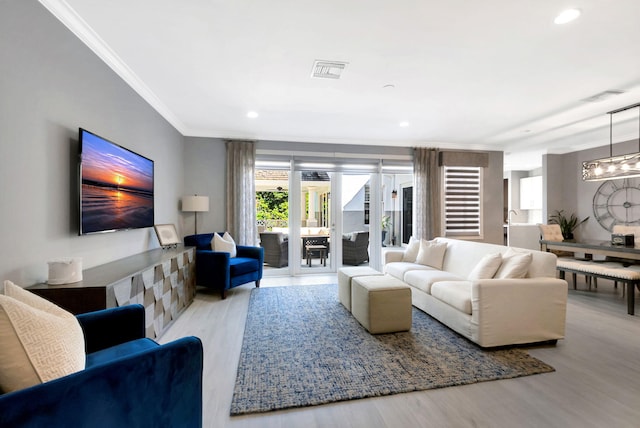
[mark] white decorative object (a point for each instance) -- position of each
(65, 270)
(167, 235)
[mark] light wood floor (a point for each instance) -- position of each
(596, 382)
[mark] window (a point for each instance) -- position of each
(462, 206)
(367, 200)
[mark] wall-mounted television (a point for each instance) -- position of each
(116, 186)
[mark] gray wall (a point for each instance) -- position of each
(204, 174)
(565, 190)
(51, 84)
(493, 199)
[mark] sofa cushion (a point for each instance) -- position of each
(456, 294)
(241, 265)
(424, 279)
(118, 351)
(515, 264)
(411, 252)
(224, 244)
(39, 341)
(431, 253)
(399, 269)
(486, 267)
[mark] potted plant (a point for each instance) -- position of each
(567, 224)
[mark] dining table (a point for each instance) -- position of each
(315, 245)
(591, 247)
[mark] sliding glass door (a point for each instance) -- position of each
(359, 237)
(315, 224)
(272, 216)
(315, 218)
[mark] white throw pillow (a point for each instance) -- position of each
(224, 244)
(39, 341)
(431, 253)
(486, 267)
(411, 251)
(514, 264)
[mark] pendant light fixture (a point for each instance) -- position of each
(614, 167)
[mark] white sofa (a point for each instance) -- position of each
(490, 312)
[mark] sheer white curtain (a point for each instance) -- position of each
(241, 192)
(427, 220)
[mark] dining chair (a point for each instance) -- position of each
(552, 232)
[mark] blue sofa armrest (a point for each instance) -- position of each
(110, 327)
(250, 252)
(159, 387)
(212, 269)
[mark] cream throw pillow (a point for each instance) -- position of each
(224, 243)
(514, 264)
(486, 267)
(411, 252)
(39, 341)
(431, 253)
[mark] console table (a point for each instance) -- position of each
(163, 281)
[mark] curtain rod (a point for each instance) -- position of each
(624, 108)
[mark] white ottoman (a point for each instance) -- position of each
(382, 304)
(345, 275)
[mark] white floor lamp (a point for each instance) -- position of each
(195, 204)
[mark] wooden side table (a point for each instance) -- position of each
(320, 249)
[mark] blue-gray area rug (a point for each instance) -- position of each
(302, 347)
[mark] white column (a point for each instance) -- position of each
(311, 219)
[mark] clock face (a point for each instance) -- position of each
(617, 202)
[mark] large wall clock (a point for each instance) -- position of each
(617, 202)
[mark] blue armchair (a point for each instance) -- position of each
(129, 381)
(221, 272)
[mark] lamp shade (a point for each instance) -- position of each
(195, 203)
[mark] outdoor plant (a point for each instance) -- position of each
(386, 222)
(567, 224)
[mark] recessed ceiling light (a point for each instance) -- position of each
(567, 16)
(404, 124)
(252, 115)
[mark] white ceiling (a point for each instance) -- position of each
(493, 75)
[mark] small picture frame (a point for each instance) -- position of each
(167, 235)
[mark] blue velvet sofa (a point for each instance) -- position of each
(129, 381)
(221, 272)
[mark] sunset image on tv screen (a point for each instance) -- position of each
(117, 187)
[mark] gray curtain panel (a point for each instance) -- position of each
(427, 221)
(241, 192)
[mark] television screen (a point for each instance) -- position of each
(116, 186)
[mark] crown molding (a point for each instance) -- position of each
(78, 26)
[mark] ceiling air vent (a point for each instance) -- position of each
(328, 69)
(603, 95)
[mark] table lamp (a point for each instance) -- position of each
(195, 204)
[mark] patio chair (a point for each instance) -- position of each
(276, 248)
(355, 249)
